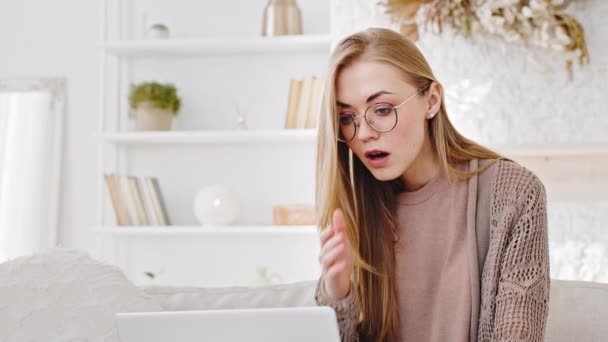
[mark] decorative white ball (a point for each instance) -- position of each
(216, 205)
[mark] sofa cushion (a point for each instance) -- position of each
(578, 311)
(197, 298)
(64, 295)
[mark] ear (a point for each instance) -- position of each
(433, 100)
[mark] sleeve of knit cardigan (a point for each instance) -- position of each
(346, 310)
(523, 290)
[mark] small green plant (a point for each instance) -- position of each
(162, 96)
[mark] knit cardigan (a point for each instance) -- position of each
(509, 240)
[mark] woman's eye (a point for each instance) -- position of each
(383, 110)
(346, 119)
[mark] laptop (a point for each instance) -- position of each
(299, 324)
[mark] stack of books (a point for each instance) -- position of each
(304, 103)
(137, 201)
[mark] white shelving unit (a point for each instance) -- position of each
(210, 72)
(257, 231)
(220, 47)
(307, 136)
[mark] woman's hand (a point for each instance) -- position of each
(336, 258)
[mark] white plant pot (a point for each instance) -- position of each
(148, 118)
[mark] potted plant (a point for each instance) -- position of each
(154, 105)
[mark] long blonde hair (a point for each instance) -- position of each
(369, 205)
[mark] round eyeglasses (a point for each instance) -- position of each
(382, 117)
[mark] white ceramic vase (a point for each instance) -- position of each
(150, 118)
(216, 205)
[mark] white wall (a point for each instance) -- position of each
(61, 38)
(503, 94)
(58, 38)
(498, 93)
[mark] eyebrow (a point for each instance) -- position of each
(369, 99)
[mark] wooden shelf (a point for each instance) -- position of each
(252, 46)
(208, 230)
(217, 137)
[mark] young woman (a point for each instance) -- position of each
(428, 236)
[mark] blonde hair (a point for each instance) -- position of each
(369, 205)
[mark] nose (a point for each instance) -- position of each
(365, 132)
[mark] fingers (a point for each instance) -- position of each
(328, 259)
(334, 245)
(338, 224)
(325, 235)
(334, 241)
(337, 242)
(336, 269)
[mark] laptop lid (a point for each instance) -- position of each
(300, 324)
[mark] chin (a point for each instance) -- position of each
(385, 174)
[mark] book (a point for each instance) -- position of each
(136, 196)
(155, 206)
(128, 200)
(295, 87)
(304, 102)
(316, 98)
(111, 181)
(148, 203)
(320, 108)
(158, 201)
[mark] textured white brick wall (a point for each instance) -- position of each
(505, 94)
(578, 241)
(496, 93)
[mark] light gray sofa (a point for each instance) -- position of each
(64, 295)
(578, 311)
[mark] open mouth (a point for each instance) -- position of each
(375, 155)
